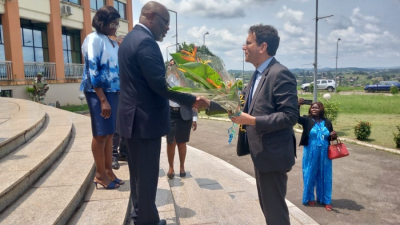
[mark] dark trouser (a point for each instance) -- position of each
(271, 187)
(120, 142)
(144, 164)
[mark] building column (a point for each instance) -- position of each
(13, 39)
(110, 3)
(129, 14)
(87, 22)
(54, 35)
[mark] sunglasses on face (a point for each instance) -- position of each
(113, 25)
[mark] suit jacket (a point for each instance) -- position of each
(143, 107)
(187, 113)
(272, 142)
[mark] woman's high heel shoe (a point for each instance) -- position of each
(112, 185)
(118, 181)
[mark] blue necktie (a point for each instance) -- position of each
(252, 87)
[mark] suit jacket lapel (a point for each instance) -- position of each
(260, 84)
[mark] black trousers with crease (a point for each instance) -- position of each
(144, 164)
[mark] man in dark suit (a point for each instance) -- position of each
(143, 111)
(269, 113)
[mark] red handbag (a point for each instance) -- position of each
(337, 150)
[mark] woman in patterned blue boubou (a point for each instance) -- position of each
(100, 83)
(317, 167)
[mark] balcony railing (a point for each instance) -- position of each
(47, 69)
(73, 71)
(5, 70)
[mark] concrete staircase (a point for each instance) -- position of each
(47, 170)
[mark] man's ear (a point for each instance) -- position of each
(264, 47)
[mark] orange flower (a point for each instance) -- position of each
(213, 83)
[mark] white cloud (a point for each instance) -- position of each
(359, 19)
(212, 9)
(292, 29)
(371, 28)
(290, 14)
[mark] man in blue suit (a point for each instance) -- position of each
(143, 111)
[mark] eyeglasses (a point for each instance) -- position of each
(166, 22)
(113, 25)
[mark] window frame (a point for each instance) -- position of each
(96, 7)
(45, 46)
(119, 4)
(72, 49)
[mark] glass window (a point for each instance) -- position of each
(1, 33)
(120, 7)
(2, 54)
(97, 4)
(28, 39)
(71, 46)
(37, 37)
(29, 55)
(34, 42)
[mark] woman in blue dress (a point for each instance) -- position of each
(316, 166)
(100, 83)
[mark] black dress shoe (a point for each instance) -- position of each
(182, 174)
(115, 163)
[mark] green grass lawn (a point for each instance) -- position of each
(75, 108)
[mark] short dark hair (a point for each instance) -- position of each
(103, 17)
(321, 109)
(267, 34)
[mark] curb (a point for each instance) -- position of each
(381, 148)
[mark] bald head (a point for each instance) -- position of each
(155, 17)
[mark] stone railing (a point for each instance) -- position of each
(5, 70)
(73, 71)
(47, 69)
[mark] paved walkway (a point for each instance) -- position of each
(214, 192)
(365, 184)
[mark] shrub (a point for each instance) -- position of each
(394, 90)
(30, 91)
(311, 88)
(397, 137)
(362, 130)
(332, 110)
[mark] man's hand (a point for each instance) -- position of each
(244, 119)
(194, 125)
(201, 103)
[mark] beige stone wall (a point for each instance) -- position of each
(64, 93)
(76, 19)
(37, 10)
(123, 29)
(1, 6)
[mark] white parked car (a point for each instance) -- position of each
(328, 85)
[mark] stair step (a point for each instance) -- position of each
(102, 206)
(19, 121)
(22, 167)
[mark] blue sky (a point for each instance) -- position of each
(369, 29)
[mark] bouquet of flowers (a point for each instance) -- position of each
(205, 75)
